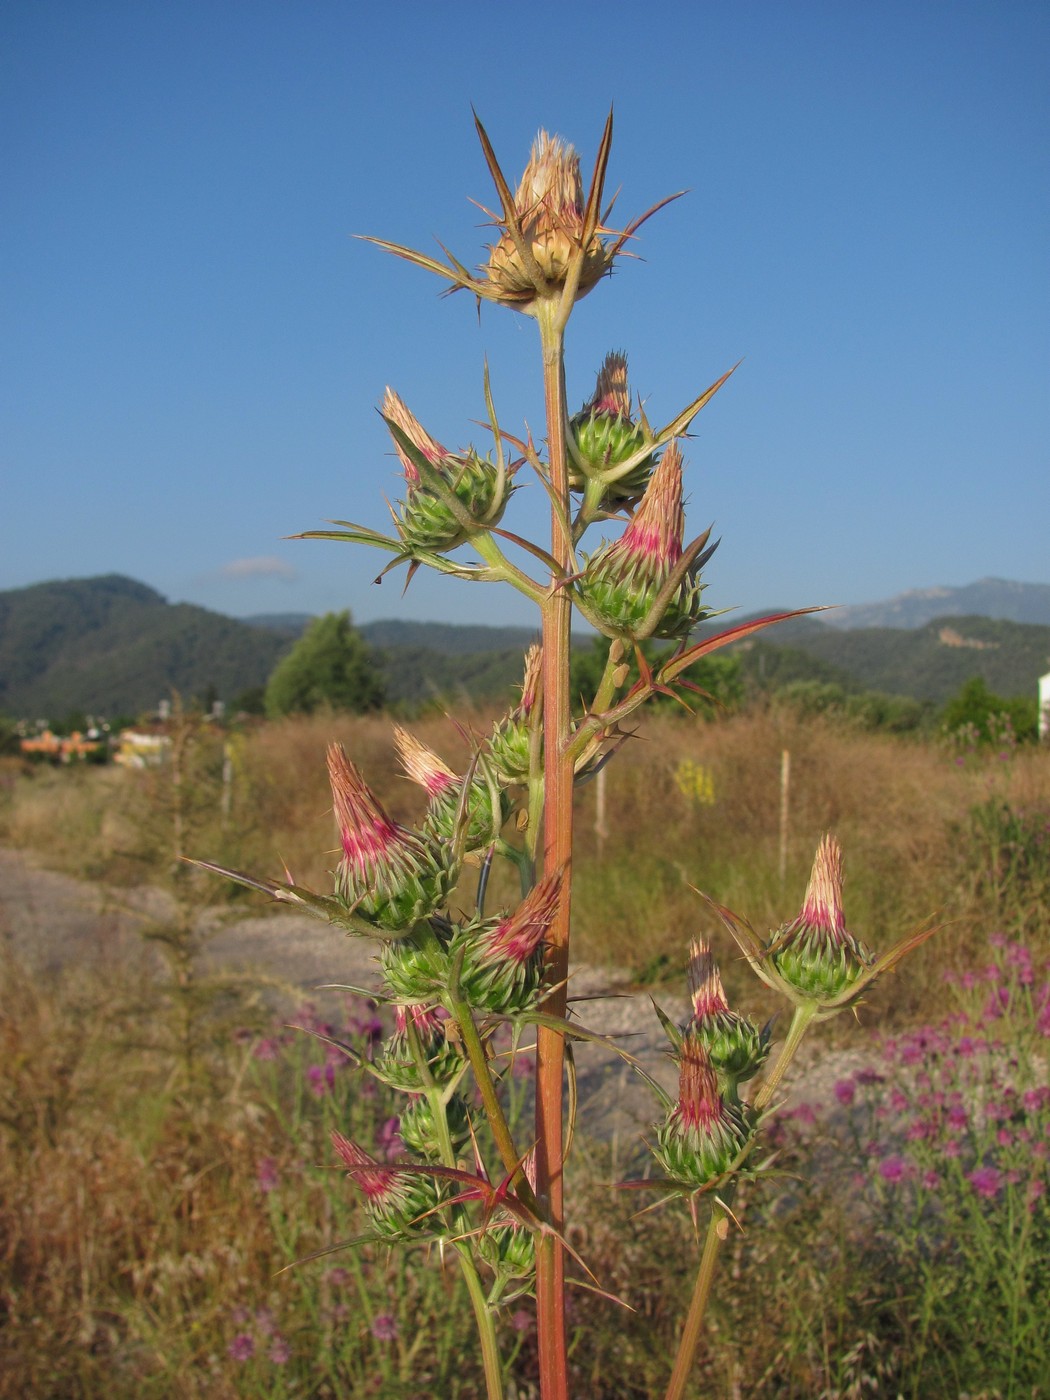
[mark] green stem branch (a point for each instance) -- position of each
(717, 1230)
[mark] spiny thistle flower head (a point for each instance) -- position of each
(423, 765)
(549, 204)
(502, 962)
(421, 1133)
(390, 876)
(510, 745)
(734, 1044)
(621, 580)
(417, 969)
(399, 415)
(703, 1134)
(449, 496)
(477, 822)
(815, 953)
(398, 1067)
(394, 1199)
(604, 438)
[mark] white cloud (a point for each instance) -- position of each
(263, 566)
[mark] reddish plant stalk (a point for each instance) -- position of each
(557, 852)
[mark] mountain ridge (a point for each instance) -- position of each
(112, 645)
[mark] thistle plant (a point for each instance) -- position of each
(471, 1182)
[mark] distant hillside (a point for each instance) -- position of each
(112, 646)
(930, 663)
(989, 597)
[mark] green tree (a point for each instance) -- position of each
(329, 665)
(976, 706)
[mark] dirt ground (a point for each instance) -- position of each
(50, 921)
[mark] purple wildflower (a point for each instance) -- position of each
(893, 1169)
(985, 1181)
(267, 1176)
(280, 1351)
(242, 1348)
(267, 1049)
(384, 1327)
(321, 1079)
(845, 1091)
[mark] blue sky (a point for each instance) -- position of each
(194, 343)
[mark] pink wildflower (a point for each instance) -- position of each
(986, 1181)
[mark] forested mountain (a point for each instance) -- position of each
(113, 646)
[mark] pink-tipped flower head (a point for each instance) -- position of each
(511, 742)
(389, 876)
(400, 417)
(549, 208)
(394, 1199)
(816, 953)
(703, 1134)
(503, 962)
(606, 445)
(622, 581)
(419, 1030)
(423, 765)
(449, 496)
(734, 1044)
(475, 819)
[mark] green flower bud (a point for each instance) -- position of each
(510, 745)
(815, 953)
(388, 875)
(395, 1199)
(622, 581)
(420, 1133)
(397, 1065)
(604, 437)
(703, 1135)
(449, 496)
(734, 1044)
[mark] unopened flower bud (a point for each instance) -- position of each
(449, 496)
(507, 1246)
(815, 953)
(734, 1044)
(479, 821)
(388, 875)
(397, 1065)
(621, 582)
(394, 1199)
(421, 1134)
(703, 1135)
(549, 207)
(502, 964)
(510, 745)
(604, 437)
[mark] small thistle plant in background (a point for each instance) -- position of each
(494, 1200)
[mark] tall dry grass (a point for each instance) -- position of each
(144, 1209)
(902, 809)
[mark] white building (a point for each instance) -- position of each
(1044, 706)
